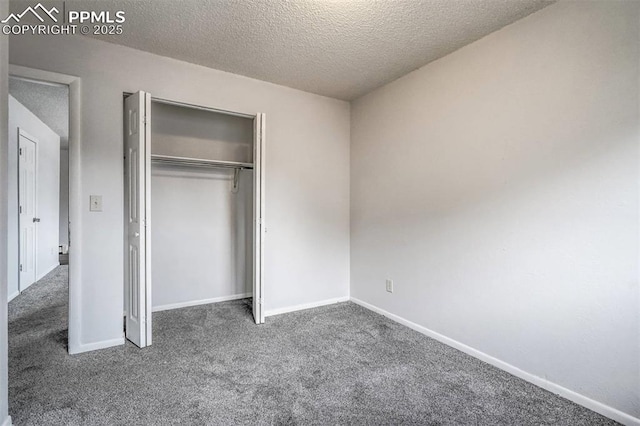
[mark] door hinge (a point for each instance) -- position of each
(20, 209)
(21, 267)
(20, 150)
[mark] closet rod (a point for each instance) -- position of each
(198, 162)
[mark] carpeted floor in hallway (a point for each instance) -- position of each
(210, 364)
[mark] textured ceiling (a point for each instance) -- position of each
(50, 103)
(342, 49)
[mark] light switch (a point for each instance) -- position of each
(95, 203)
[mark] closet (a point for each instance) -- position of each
(194, 208)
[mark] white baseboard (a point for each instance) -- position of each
(7, 421)
(86, 347)
(13, 296)
(24, 287)
(200, 302)
(54, 266)
(579, 399)
(279, 311)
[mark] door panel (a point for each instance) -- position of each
(27, 166)
(137, 268)
(258, 228)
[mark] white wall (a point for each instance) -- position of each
(199, 247)
(307, 178)
(4, 111)
(47, 187)
(64, 197)
(498, 187)
(188, 132)
(201, 230)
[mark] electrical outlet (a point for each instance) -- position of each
(390, 286)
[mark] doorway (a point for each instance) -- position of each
(38, 141)
(44, 112)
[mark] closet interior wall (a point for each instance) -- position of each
(201, 224)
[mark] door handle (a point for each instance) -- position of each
(36, 219)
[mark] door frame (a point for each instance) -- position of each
(25, 134)
(75, 193)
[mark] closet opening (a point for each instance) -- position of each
(194, 209)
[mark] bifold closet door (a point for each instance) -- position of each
(258, 228)
(137, 250)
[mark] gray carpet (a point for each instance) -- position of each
(210, 364)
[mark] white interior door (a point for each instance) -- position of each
(137, 245)
(27, 201)
(258, 227)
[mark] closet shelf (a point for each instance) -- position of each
(198, 162)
